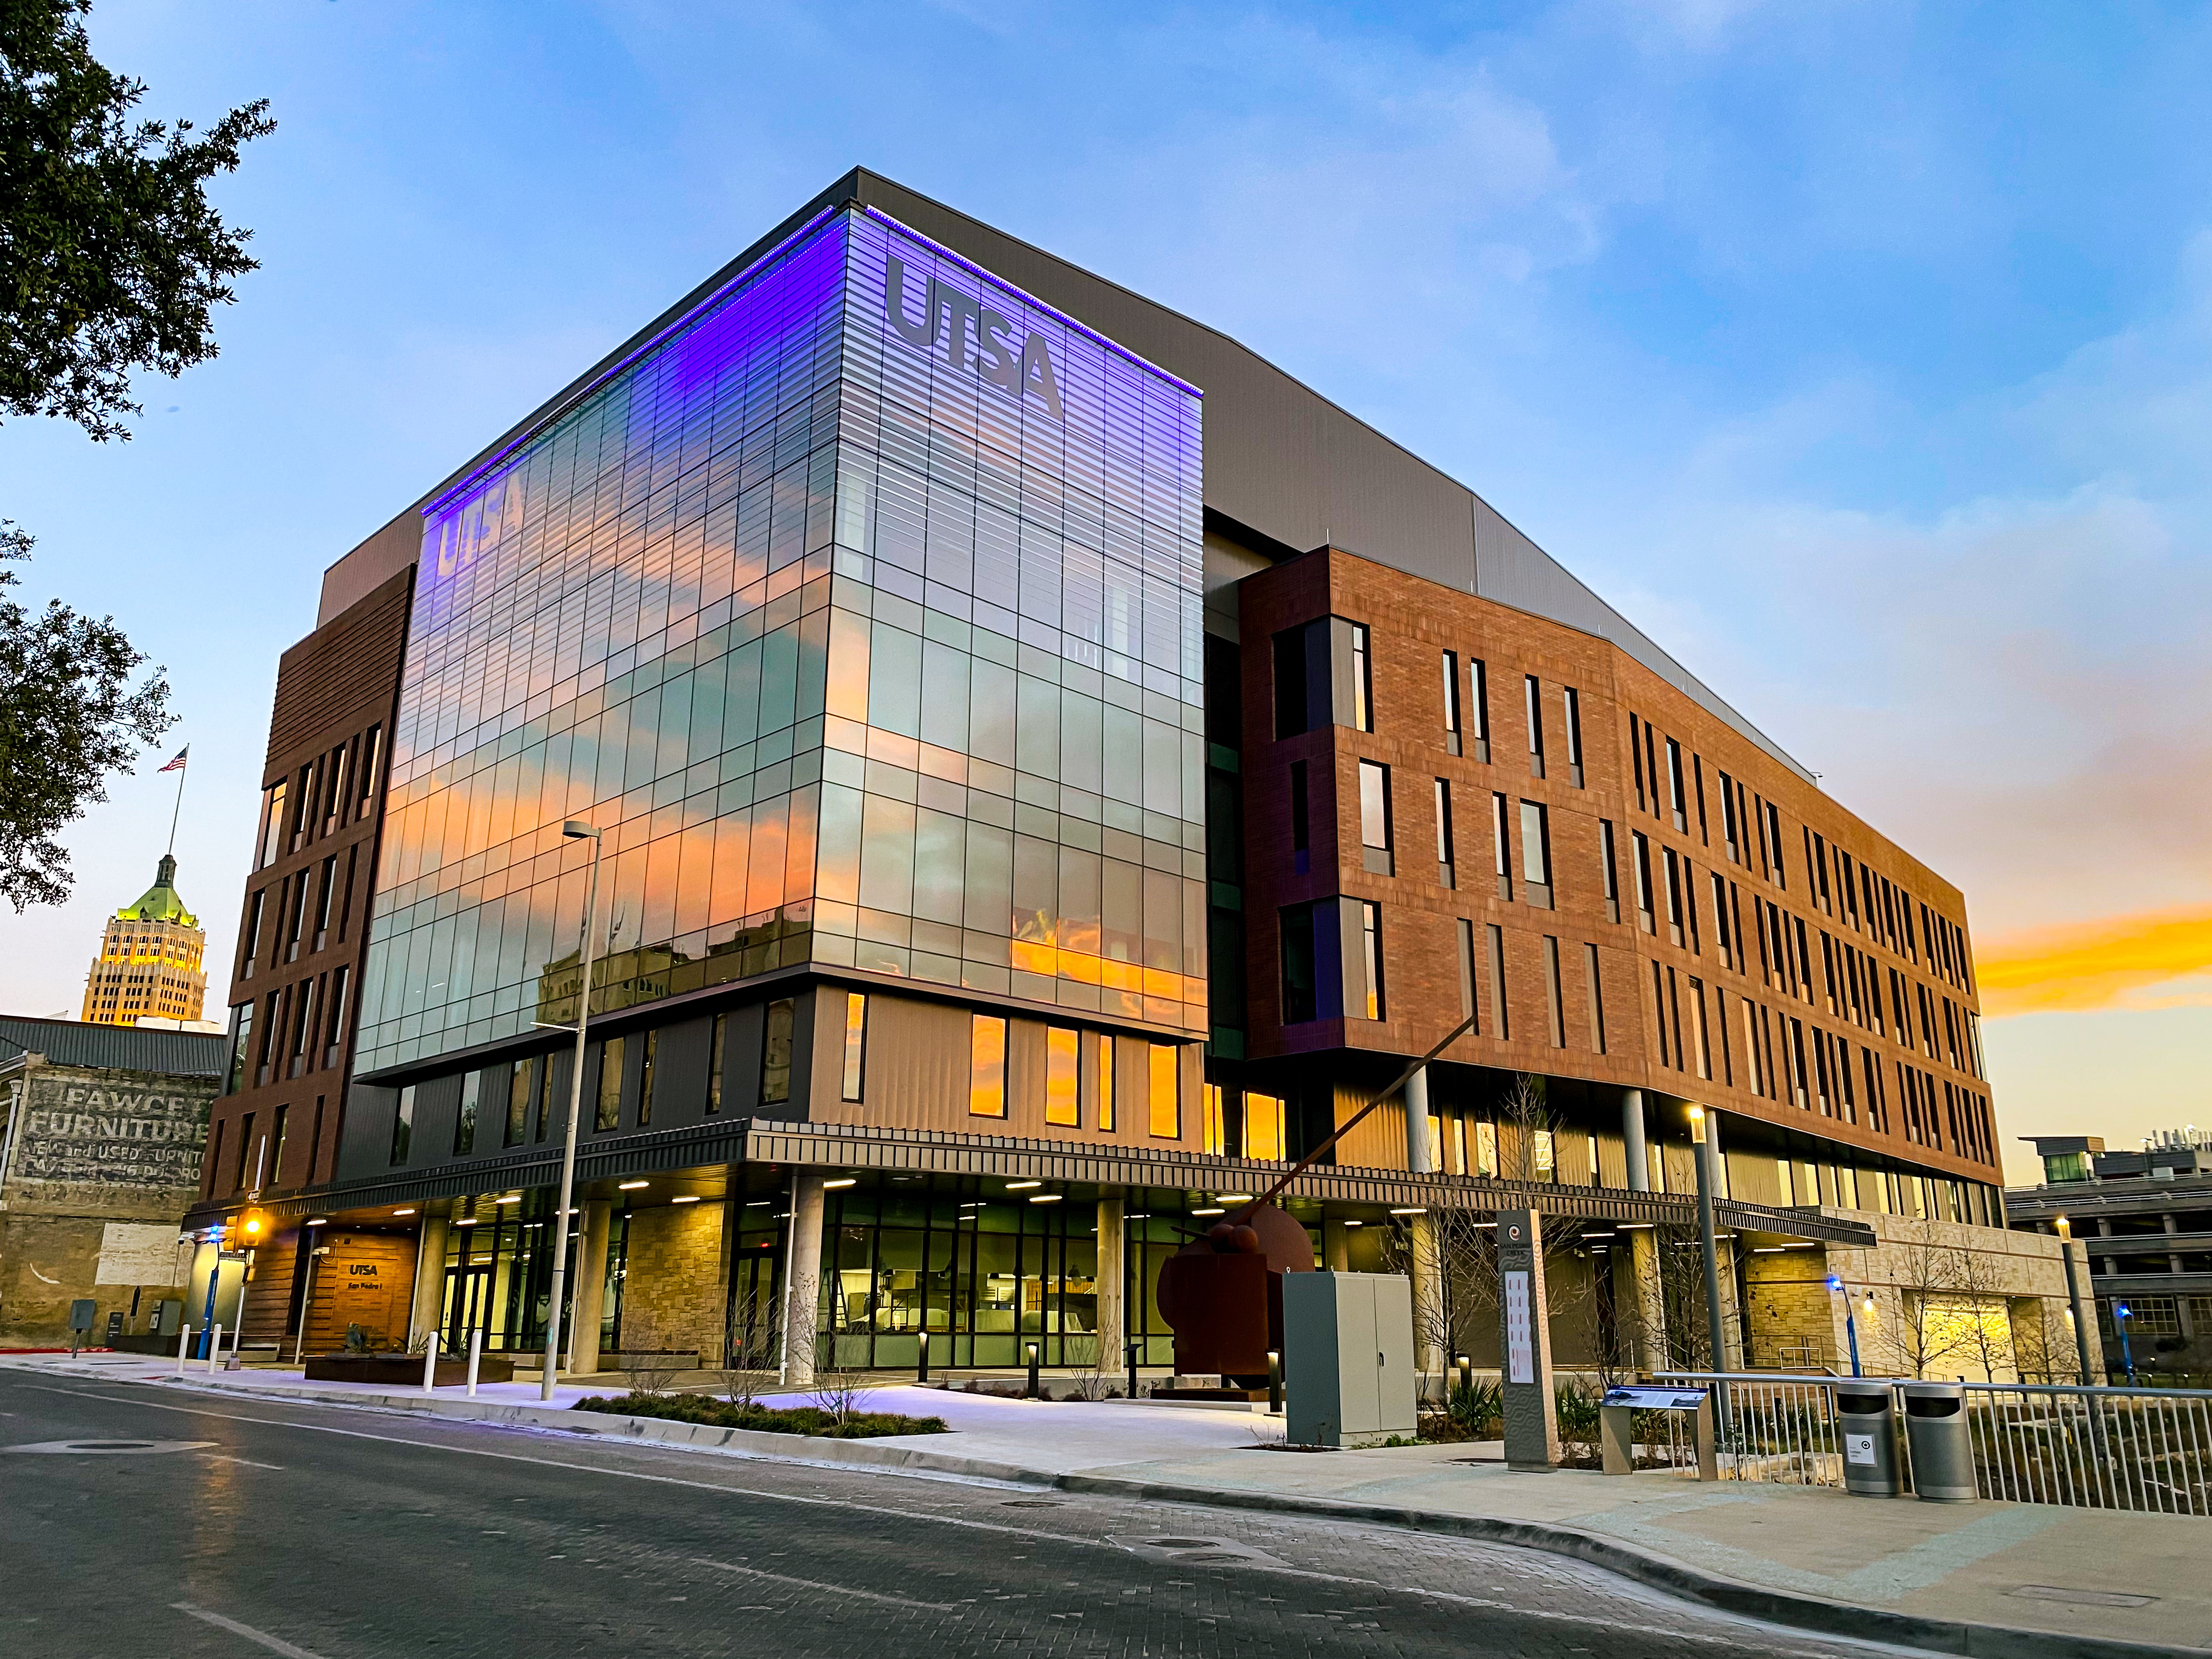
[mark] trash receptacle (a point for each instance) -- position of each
(1866, 1417)
(1942, 1449)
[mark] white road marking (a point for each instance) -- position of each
(219, 1457)
(808, 1583)
(274, 1643)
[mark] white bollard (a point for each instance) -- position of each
(184, 1343)
(475, 1353)
(215, 1348)
(430, 1367)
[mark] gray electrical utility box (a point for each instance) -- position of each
(1347, 1358)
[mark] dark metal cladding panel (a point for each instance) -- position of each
(114, 1047)
(1513, 570)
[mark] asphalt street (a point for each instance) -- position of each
(163, 1522)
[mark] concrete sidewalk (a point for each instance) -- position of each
(1982, 1578)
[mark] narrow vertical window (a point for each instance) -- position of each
(1698, 785)
(272, 822)
(1478, 686)
(1299, 810)
(1164, 1072)
(1673, 866)
(1721, 920)
(1104, 1090)
(715, 1051)
(775, 1050)
(1375, 818)
(1451, 703)
(1536, 853)
(1609, 857)
(1596, 990)
(1465, 931)
(326, 892)
(1499, 1014)
(986, 1066)
(1362, 687)
(1371, 947)
(1485, 1147)
(1063, 1048)
(1636, 760)
(371, 757)
(519, 1084)
(245, 1151)
(1574, 700)
(1501, 836)
(241, 1039)
(275, 1175)
(1727, 820)
(856, 1045)
(645, 1079)
(1659, 1012)
(1213, 1129)
(607, 1114)
(465, 1121)
(1639, 870)
(334, 1018)
(1774, 841)
(1554, 993)
(403, 1125)
(1445, 876)
(1296, 953)
(1533, 695)
(1678, 800)
(254, 907)
(1701, 1048)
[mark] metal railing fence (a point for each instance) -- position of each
(2146, 1450)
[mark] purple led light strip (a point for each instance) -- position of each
(1026, 298)
(493, 463)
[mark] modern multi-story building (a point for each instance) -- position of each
(148, 966)
(2144, 1219)
(1049, 766)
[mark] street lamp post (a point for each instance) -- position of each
(1850, 1325)
(2120, 1317)
(1712, 1261)
(580, 831)
(2074, 1297)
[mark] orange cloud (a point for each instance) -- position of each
(2095, 964)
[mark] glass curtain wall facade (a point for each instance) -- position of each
(862, 610)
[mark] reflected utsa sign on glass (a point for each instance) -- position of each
(947, 314)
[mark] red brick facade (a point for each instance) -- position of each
(1927, 1108)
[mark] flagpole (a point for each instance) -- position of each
(177, 811)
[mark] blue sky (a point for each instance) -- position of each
(1862, 353)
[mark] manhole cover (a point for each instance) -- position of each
(113, 1448)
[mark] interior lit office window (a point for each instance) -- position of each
(1263, 1126)
(1371, 946)
(856, 1045)
(986, 1066)
(1063, 1104)
(1166, 1093)
(1105, 1084)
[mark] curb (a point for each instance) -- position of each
(1648, 1567)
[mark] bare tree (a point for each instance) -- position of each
(652, 1368)
(1924, 1329)
(749, 1349)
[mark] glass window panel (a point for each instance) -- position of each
(1165, 1093)
(1062, 1103)
(986, 1066)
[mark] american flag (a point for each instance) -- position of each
(178, 764)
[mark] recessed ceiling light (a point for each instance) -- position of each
(849, 1180)
(1019, 1186)
(631, 1186)
(1212, 1210)
(402, 1212)
(1234, 1197)
(319, 1221)
(1355, 1224)
(685, 1198)
(1046, 1198)
(512, 1198)
(465, 1221)
(1416, 1210)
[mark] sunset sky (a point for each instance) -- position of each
(1861, 354)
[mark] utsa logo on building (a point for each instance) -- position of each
(955, 317)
